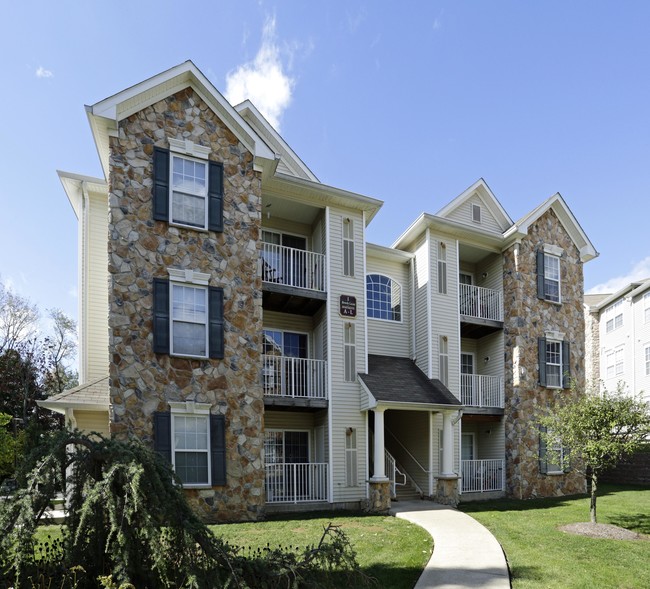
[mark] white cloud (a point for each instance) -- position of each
(263, 81)
(41, 72)
(640, 271)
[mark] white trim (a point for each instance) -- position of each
(554, 250)
(187, 147)
(206, 323)
(205, 415)
(365, 300)
(554, 335)
(328, 319)
(188, 276)
(429, 306)
(190, 407)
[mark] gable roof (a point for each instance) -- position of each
(399, 382)
(289, 161)
(562, 211)
(482, 190)
(630, 290)
(91, 396)
(106, 114)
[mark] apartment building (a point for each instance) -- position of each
(234, 317)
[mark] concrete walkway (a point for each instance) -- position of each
(465, 554)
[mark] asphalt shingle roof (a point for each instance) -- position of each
(399, 380)
(95, 392)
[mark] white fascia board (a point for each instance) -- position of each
(565, 216)
(466, 234)
(383, 252)
(61, 406)
(487, 196)
(631, 289)
(371, 402)
(299, 188)
(105, 114)
(257, 120)
(73, 187)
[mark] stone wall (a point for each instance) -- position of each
(592, 350)
(140, 249)
(526, 319)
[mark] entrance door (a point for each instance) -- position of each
(465, 281)
(467, 447)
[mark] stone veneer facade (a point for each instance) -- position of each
(140, 249)
(526, 319)
(592, 350)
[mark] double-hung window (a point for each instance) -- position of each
(615, 362)
(384, 297)
(647, 360)
(554, 362)
(548, 274)
(188, 315)
(193, 441)
(614, 316)
(646, 307)
(553, 456)
(188, 189)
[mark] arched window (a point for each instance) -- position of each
(384, 297)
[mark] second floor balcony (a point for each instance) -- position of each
(293, 279)
(481, 310)
(478, 390)
(291, 381)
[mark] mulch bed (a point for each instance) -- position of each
(606, 531)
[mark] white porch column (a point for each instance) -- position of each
(447, 469)
(379, 473)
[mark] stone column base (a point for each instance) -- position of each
(447, 491)
(379, 497)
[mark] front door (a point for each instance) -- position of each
(467, 447)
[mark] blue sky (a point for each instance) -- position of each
(410, 103)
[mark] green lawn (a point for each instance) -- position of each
(391, 550)
(541, 556)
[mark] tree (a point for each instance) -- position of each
(18, 319)
(61, 347)
(595, 431)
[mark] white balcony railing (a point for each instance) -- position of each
(283, 376)
(482, 476)
(479, 302)
(295, 483)
(293, 267)
(478, 390)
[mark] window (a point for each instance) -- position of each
(188, 316)
(647, 360)
(442, 267)
(615, 362)
(614, 316)
(553, 457)
(351, 477)
(548, 276)
(384, 297)
(349, 350)
(646, 307)
(554, 362)
(443, 360)
(194, 442)
(476, 213)
(188, 189)
(348, 247)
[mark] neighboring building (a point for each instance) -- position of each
(233, 316)
(618, 331)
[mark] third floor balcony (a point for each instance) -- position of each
(481, 310)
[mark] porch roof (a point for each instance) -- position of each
(399, 381)
(90, 396)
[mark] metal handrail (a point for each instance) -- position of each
(285, 376)
(480, 390)
(292, 267)
(480, 302)
(391, 472)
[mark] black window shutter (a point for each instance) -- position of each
(218, 449)
(215, 197)
(161, 316)
(566, 365)
(162, 434)
(540, 274)
(541, 360)
(160, 184)
(216, 336)
(543, 461)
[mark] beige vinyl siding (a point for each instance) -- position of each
(406, 435)
(294, 421)
(391, 338)
(463, 214)
(92, 421)
(345, 396)
(489, 439)
(491, 346)
(292, 323)
(96, 289)
(422, 285)
(642, 340)
(279, 225)
(445, 318)
(492, 266)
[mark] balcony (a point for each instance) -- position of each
(293, 279)
(296, 483)
(481, 310)
(482, 476)
(478, 390)
(294, 382)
